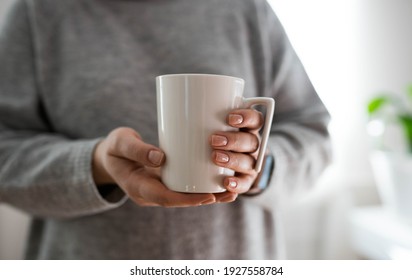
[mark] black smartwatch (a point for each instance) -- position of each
(263, 180)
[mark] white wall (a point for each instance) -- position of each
(326, 35)
(13, 223)
(351, 49)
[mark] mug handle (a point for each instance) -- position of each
(269, 103)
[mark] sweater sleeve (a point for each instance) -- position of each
(41, 172)
(299, 137)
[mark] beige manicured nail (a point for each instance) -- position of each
(232, 183)
(219, 140)
(155, 157)
(222, 157)
(235, 119)
(209, 201)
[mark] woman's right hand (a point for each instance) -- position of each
(123, 158)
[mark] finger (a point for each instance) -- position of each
(239, 184)
(242, 142)
(226, 197)
(126, 143)
(153, 192)
(245, 118)
(242, 163)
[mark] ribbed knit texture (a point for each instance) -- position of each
(73, 70)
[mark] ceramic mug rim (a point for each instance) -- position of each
(200, 75)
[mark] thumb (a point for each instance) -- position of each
(128, 144)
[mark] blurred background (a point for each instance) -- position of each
(352, 50)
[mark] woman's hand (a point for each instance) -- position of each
(238, 150)
(124, 159)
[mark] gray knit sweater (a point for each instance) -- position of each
(73, 70)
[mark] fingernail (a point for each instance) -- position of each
(209, 201)
(229, 197)
(155, 157)
(219, 140)
(235, 119)
(231, 183)
(222, 157)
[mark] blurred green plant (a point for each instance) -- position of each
(400, 110)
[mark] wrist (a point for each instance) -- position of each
(100, 174)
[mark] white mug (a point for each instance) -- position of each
(190, 108)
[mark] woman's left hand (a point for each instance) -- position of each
(237, 150)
